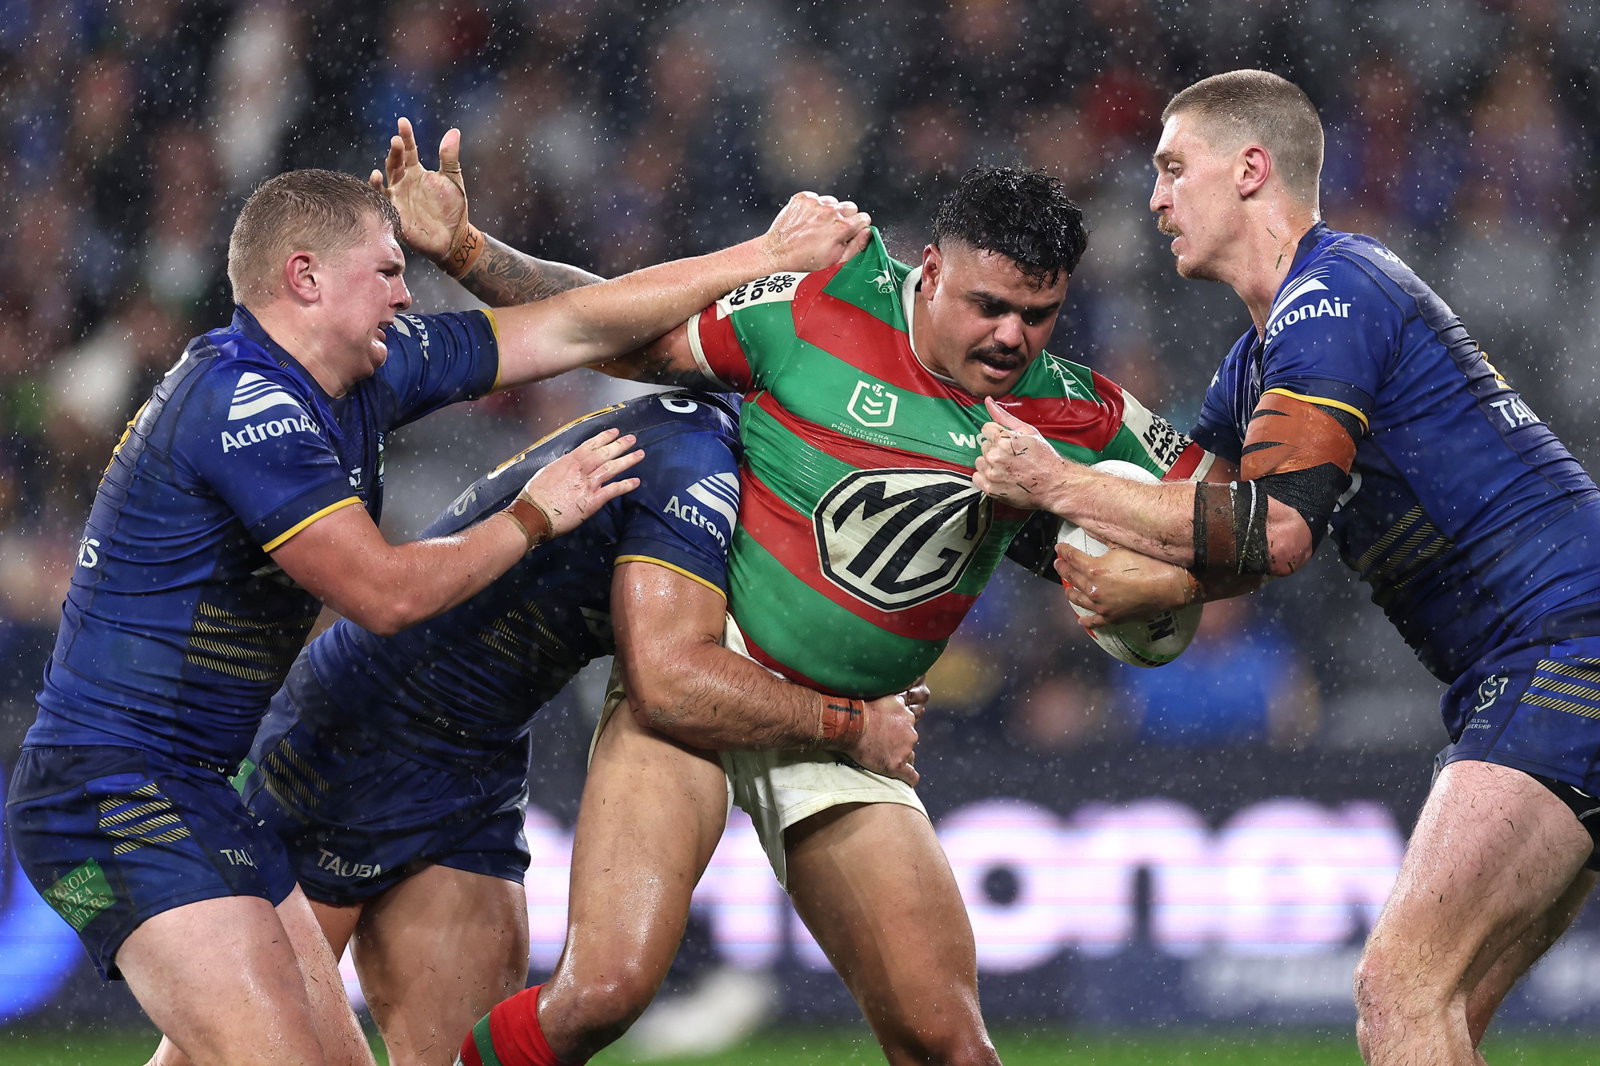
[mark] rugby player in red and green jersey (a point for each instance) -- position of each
(861, 545)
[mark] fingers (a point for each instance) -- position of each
(375, 179)
(450, 154)
(408, 141)
(394, 164)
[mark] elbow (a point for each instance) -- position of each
(1289, 544)
(657, 695)
(387, 615)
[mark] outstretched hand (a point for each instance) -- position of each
(578, 484)
(1017, 465)
(812, 232)
(432, 203)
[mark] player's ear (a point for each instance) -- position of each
(932, 264)
(302, 275)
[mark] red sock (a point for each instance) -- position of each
(509, 1035)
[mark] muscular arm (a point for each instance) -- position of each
(345, 561)
(684, 683)
(1019, 466)
(503, 276)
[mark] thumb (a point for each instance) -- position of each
(1004, 417)
(450, 148)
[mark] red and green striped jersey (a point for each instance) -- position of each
(862, 542)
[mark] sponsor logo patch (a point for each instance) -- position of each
(897, 538)
(81, 895)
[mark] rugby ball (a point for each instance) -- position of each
(1155, 641)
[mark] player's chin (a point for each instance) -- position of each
(989, 379)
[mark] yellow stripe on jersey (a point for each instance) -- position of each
(494, 327)
(277, 542)
(674, 569)
(1322, 401)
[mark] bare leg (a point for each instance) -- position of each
(234, 981)
(652, 813)
(875, 889)
(434, 953)
(1492, 854)
(1529, 948)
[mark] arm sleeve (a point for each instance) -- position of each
(437, 360)
(268, 459)
(747, 329)
(1330, 337)
(683, 514)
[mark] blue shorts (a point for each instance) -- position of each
(1537, 710)
(113, 836)
(358, 819)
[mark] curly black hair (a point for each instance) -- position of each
(1024, 215)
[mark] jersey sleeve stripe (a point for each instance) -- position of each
(699, 352)
(675, 569)
(1322, 401)
(278, 541)
(494, 331)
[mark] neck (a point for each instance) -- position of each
(293, 333)
(1266, 258)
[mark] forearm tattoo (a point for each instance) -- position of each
(503, 277)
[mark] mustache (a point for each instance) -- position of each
(998, 355)
(1166, 228)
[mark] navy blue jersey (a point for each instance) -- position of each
(1474, 527)
(178, 627)
(463, 686)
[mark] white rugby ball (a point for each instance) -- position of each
(1155, 641)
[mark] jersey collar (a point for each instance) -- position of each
(248, 327)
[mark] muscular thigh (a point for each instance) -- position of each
(875, 889)
(434, 953)
(1493, 850)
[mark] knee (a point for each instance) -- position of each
(600, 1007)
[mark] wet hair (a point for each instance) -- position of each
(1024, 215)
(319, 211)
(1257, 106)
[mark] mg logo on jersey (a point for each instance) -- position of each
(872, 404)
(897, 538)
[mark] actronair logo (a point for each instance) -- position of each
(1285, 314)
(719, 495)
(253, 395)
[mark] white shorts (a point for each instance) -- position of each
(778, 789)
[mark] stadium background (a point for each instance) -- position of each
(1205, 843)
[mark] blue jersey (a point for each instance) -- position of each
(461, 688)
(1474, 527)
(178, 627)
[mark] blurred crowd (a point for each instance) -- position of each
(617, 134)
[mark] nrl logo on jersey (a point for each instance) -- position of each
(872, 404)
(898, 538)
(1283, 315)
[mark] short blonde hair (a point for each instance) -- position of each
(1257, 106)
(319, 211)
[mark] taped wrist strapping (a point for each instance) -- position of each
(840, 722)
(530, 517)
(1230, 527)
(464, 252)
